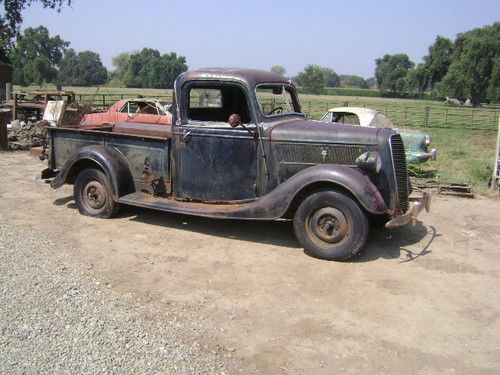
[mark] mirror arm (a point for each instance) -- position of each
(253, 134)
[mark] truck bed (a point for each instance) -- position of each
(148, 156)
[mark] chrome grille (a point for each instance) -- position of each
(317, 154)
(400, 172)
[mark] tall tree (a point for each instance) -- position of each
(11, 19)
(474, 71)
(279, 69)
(391, 71)
(82, 69)
(120, 62)
(36, 56)
(148, 68)
(437, 62)
(416, 79)
(315, 78)
(352, 81)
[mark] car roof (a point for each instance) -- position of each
(365, 115)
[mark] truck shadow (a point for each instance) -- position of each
(381, 243)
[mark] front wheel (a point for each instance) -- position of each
(92, 193)
(330, 225)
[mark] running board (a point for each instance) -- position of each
(221, 211)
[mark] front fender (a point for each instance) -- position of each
(277, 202)
(112, 162)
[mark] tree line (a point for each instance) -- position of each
(467, 68)
(39, 58)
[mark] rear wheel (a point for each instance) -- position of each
(330, 225)
(92, 193)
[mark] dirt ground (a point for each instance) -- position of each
(423, 299)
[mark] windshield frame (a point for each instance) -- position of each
(293, 94)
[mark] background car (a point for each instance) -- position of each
(139, 110)
(416, 143)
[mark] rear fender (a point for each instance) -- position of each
(110, 161)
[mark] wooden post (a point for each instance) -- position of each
(8, 91)
(103, 100)
(4, 143)
(14, 107)
(406, 114)
(426, 116)
(446, 117)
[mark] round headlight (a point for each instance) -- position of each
(369, 161)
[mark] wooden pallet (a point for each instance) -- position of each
(455, 189)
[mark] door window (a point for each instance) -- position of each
(216, 104)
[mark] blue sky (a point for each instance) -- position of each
(346, 36)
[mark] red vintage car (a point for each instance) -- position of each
(139, 110)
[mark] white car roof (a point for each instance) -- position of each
(365, 115)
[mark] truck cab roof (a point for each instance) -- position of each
(249, 77)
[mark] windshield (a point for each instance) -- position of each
(277, 99)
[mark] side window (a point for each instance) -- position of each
(216, 104)
(131, 107)
(345, 118)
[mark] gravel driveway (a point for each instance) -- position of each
(56, 319)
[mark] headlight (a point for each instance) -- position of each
(428, 140)
(369, 161)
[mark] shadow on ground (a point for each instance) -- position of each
(381, 243)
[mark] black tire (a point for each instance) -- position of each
(330, 225)
(93, 196)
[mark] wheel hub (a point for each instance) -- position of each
(94, 195)
(329, 224)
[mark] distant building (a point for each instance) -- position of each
(5, 77)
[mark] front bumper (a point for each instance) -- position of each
(421, 157)
(418, 204)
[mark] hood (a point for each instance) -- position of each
(322, 132)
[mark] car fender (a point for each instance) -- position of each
(111, 161)
(278, 202)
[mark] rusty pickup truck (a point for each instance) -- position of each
(239, 147)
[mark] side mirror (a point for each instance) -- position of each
(234, 120)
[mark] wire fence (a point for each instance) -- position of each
(425, 116)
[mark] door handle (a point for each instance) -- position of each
(185, 136)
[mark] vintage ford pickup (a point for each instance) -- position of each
(240, 148)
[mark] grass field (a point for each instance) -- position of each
(464, 137)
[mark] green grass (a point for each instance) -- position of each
(463, 156)
(464, 137)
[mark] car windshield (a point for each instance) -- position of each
(277, 99)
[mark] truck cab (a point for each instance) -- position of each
(239, 147)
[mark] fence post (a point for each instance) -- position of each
(104, 100)
(386, 111)
(309, 113)
(426, 115)
(471, 118)
(406, 114)
(446, 117)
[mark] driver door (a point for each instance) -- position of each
(215, 162)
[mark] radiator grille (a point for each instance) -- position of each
(327, 154)
(400, 172)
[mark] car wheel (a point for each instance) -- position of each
(92, 193)
(330, 225)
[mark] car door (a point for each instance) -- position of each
(215, 162)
